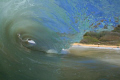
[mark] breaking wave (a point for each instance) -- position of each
(51, 25)
(54, 24)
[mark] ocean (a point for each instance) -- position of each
(51, 26)
(80, 64)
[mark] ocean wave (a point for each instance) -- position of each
(51, 24)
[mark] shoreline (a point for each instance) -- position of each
(95, 46)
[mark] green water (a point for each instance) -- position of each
(54, 25)
(80, 64)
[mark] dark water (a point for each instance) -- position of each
(54, 25)
(80, 64)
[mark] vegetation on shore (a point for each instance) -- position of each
(104, 37)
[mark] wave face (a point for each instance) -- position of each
(52, 24)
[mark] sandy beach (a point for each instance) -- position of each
(93, 45)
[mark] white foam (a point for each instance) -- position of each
(31, 42)
(51, 51)
(65, 51)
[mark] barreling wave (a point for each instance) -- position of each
(53, 24)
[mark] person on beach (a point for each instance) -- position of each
(98, 44)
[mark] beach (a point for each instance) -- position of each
(93, 45)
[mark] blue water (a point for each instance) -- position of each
(53, 25)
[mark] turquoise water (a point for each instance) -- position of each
(53, 25)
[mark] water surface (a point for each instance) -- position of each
(54, 25)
